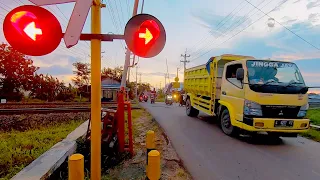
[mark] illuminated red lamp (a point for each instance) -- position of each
(32, 30)
(145, 35)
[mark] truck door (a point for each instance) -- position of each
(232, 90)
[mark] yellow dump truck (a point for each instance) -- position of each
(249, 94)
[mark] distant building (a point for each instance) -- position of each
(109, 89)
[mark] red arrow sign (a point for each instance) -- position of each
(149, 31)
(145, 35)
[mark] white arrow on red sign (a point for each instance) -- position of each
(77, 19)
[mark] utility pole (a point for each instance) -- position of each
(142, 6)
(136, 82)
(177, 72)
(128, 52)
(166, 75)
(185, 59)
(140, 77)
(165, 80)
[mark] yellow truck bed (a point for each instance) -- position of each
(201, 80)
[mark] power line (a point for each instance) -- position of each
(284, 26)
(204, 37)
(241, 30)
(4, 8)
(115, 23)
(17, 2)
(119, 15)
(122, 14)
(128, 7)
(185, 60)
(231, 28)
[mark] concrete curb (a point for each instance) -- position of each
(48, 162)
(315, 126)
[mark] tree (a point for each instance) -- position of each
(82, 79)
(115, 74)
(48, 88)
(82, 73)
(17, 73)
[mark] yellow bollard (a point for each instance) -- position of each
(150, 142)
(153, 167)
(76, 167)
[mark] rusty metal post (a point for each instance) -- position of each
(120, 114)
(130, 128)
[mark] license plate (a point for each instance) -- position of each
(283, 123)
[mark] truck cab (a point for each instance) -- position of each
(249, 94)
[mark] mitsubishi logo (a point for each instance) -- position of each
(280, 113)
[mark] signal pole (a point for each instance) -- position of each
(185, 59)
(96, 92)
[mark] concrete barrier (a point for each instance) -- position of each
(48, 162)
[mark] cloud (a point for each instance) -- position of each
(57, 65)
(313, 4)
(55, 70)
(159, 74)
(314, 17)
(217, 24)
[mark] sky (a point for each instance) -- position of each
(282, 30)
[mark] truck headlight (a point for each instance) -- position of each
(252, 108)
(303, 110)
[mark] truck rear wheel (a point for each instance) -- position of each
(226, 125)
(191, 111)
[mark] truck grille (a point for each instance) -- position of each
(272, 111)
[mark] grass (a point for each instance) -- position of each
(312, 134)
(18, 149)
(314, 116)
(160, 99)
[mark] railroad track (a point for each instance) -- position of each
(50, 110)
(53, 105)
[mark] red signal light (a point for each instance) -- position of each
(32, 30)
(145, 35)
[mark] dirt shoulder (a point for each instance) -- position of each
(171, 164)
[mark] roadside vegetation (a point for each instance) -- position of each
(171, 165)
(25, 137)
(314, 134)
(121, 166)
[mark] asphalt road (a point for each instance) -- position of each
(207, 153)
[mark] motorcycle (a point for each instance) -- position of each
(169, 100)
(182, 100)
(145, 98)
(140, 98)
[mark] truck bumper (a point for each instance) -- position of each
(268, 125)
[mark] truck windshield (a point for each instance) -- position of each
(275, 77)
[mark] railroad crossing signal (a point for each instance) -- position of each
(32, 30)
(145, 35)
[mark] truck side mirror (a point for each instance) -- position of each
(240, 74)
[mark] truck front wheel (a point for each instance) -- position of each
(226, 125)
(191, 111)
